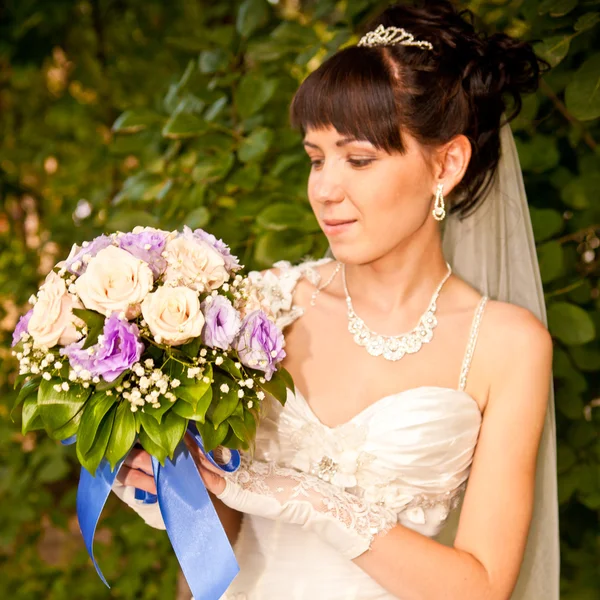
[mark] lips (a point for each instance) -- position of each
(333, 227)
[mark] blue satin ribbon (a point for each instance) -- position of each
(197, 536)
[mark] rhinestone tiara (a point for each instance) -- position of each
(390, 36)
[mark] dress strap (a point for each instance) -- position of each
(462, 384)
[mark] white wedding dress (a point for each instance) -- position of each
(410, 452)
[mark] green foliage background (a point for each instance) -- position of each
(116, 113)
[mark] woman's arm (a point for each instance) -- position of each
(490, 543)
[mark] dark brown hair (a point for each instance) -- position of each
(459, 87)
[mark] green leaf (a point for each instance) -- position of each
(229, 367)
(95, 324)
(239, 428)
(546, 222)
(93, 413)
(250, 423)
(551, 258)
(569, 403)
(159, 412)
(582, 95)
(278, 217)
(198, 395)
(184, 125)
(212, 61)
(566, 458)
(587, 21)
(151, 447)
(225, 402)
(93, 457)
(556, 8)
(276, 386)
(253, 93)
(168, 434)
(272, 246)
(122, 436)
(256, 144)
(554, 48)
(192, 348)
(287, 378)
(58, 409)
(197, 218)
(252, 15)
(570, 324)
(138, 119)
(197, 413)
(587, 357)
(31, 386)
(212, 436)
(31, 419)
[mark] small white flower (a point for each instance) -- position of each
(225, 287)
(96, 379)
(65, 386)
(260, 395)
(175, 383)
(219, 360)
(224, 388)
(76, 265)
(240, 393)
(250, 404)
(57, 387)
(262, 379)
(72, 376)
(149, 363)
(144, 383)
(126, 384)
(109, 392)
(203, 352)
(274, 353)
(72, 289)
(58, 365)
(158, 339)
(119, 388)
(32, 299)
(86, 385)
(206, 379)
(237, 365)
(249, 383)
(47, 376)
(134, 408)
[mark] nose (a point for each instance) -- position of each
(327, 184)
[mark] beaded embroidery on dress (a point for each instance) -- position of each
(409, 453)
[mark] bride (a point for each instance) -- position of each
(355, 486)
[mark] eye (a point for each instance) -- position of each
(316, 163)
(360, 162)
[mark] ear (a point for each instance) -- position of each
(452, 161)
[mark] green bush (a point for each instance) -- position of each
(117, 114)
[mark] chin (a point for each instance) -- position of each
(351, 254)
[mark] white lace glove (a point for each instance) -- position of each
(340, 518)
(149, 512)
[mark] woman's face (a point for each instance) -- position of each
(367, 202)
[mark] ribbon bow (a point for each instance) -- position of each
(185, 507)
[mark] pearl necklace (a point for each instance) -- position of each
(394, 347)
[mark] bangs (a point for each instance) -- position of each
(353, 92)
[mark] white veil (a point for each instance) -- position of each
(494, 251)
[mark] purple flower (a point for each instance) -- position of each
(231, 262)
(21, 327)
(260, 343)
(222, 322)
(147, 245)
(116, 351)
(76, 263)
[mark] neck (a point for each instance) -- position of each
(402, 277)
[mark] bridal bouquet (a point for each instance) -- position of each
(138, 337)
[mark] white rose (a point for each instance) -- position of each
(195, 264)
(173, 314)
(52, 320)
(115, 281)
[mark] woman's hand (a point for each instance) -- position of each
(211, 475)
(137, 471)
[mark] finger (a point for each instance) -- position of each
(137, 479)
(139, 459)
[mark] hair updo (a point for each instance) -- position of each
(459, 87)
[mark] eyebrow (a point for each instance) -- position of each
(343, 142)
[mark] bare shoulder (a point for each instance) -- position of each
(515, 340)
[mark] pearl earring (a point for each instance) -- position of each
(439, 210)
